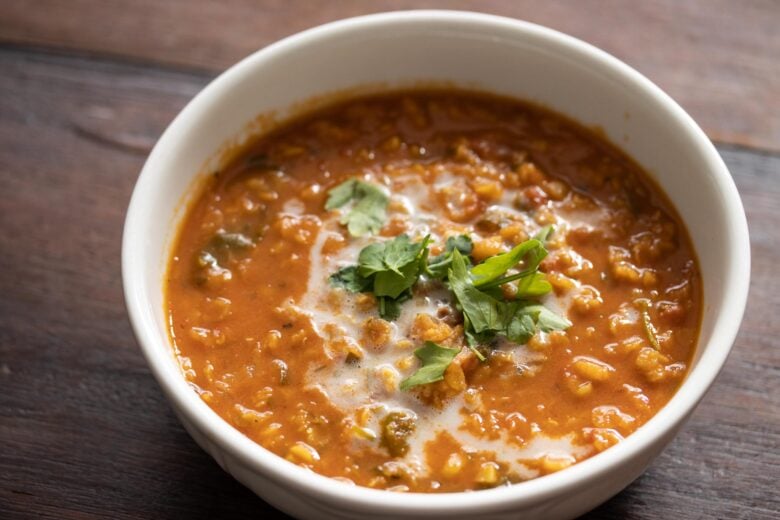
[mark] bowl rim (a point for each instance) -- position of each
(257, 459)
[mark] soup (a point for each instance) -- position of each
(433, 291)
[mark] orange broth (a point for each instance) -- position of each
(312, 373)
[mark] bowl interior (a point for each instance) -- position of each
(466, 50)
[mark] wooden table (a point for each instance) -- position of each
(86, 88)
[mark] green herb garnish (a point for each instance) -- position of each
(435, 360)
(490, 273)
(647, 322)
(486, 312)
(643, 305)
(650, 330)
(397, 427)
(349, 278)
(482, 311)
(388, 270)
(439, 265)
(369, 211)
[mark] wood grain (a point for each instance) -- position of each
(717, 58)
(86, 433)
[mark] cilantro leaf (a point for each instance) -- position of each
(395, 264)
(387, 269)
(392, 283)
(368, 215)
(481, 309)
(534, 284)
(438, 265)
(544, 234)
(371, 259)
(526, 318)
(486, 314)
(401, 251)
(461, 243)
(490, 273)
(496, 266)
(341, 194)
(435, 360)
(650, 330)
(390, 308)
(349, 278)
(369, 210)
(535, 256)
(519, 327)
(547, 320)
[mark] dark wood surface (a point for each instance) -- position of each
(88, 86)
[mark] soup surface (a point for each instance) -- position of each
(433, 291)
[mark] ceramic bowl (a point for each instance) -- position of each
(470, 50)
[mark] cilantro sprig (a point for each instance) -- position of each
(486, 315)
(492, 272)
(439, 265)
(369, 211)
(388, 270)
(486, 312)
(435, 360)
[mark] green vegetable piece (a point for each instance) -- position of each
(401, 265)
(341, 194)
(535, 256)
(520, 326)
(486, 315)
(396, 429)
(389, 310)
(650, 330)
(221, 250)
(532, 285)
(401, 251)
(393, 283)
(496, 266)
(544, 234)
(489, 273)
(482, 310)
(369, 211)
(394, 265)
(386, 269)
(371, 259)
(439, 265)
(349, 278)
(547, 320)
(435, 360)
(232, 240)
(524, 319)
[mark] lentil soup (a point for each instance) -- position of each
(433, 291)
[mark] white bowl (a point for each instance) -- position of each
(471, 50)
